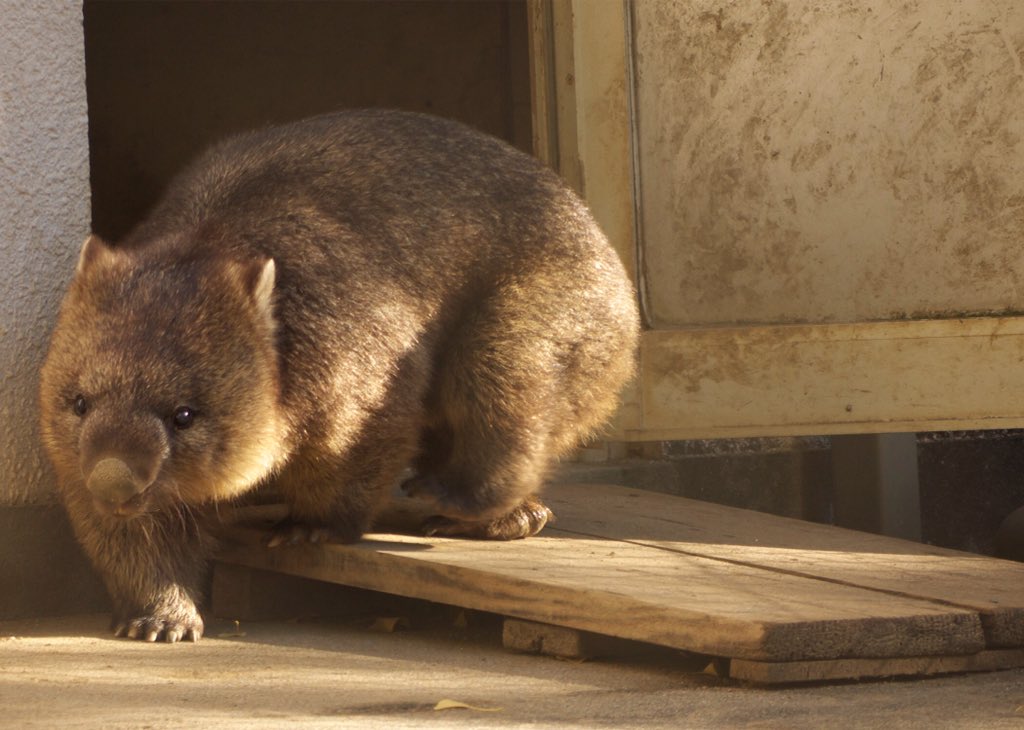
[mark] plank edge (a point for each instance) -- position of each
(852, 669)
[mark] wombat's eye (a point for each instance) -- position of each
(183, 417)
(80, 405)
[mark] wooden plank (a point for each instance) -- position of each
(602, 121)
(558, 641)
(539, 25)
(603, 135)
(552, 87)
(994, 588)
(833, 669)
(832, 378)
(634, 591)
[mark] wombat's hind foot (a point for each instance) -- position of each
(291, 531)
(178, 623)
(525, 520)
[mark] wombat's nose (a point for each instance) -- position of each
(113, 481)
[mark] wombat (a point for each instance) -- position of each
(329, 306)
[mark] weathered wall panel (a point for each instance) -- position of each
(830, 162)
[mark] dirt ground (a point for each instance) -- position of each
(69, 673)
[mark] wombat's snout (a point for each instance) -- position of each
(120, 463)
(113, 482)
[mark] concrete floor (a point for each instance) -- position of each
(69, 673)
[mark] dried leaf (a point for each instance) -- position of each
(454, 705)
(237, 633)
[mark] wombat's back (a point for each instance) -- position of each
(429, 192)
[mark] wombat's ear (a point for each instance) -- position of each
(259, 282)
(95, 252)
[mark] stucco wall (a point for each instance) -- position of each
(44, 213)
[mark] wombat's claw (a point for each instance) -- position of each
(293, 532)
(290, 532)
(151, 628)
(525, 520)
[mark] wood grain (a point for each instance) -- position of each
(993, 588)
(833, 669)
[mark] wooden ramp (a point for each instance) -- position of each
(784, 600)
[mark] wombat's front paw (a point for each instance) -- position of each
(295, 532)
(525, 520)
(181, 623)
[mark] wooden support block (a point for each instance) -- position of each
(535, 638)
(836, 669)
(532, 637)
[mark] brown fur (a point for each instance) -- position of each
(332, 301)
